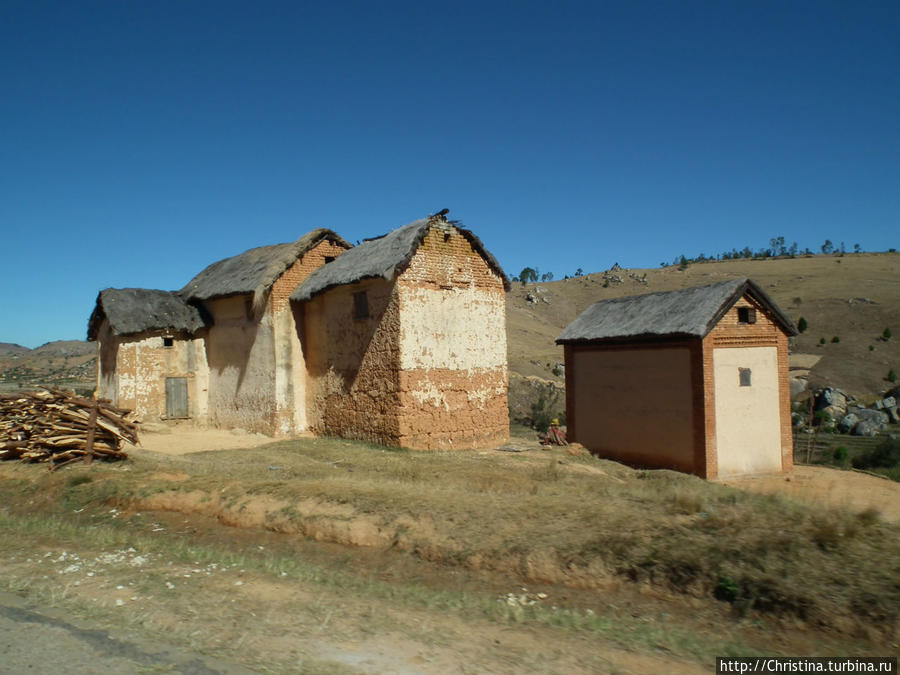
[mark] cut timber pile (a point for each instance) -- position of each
(49, 425)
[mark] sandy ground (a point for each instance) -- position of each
(831, 487)
(181, 440)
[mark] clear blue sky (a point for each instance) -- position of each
(143, 140)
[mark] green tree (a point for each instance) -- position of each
(887, 334)
(802, 325)
(827, 247)
(528, 274)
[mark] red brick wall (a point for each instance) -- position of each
(296, 274)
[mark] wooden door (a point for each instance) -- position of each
(176, 398)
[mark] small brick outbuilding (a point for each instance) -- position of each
(694, 380)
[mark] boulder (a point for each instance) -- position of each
(834, 401)
(868, 415)
(866, 428)
(845, 426)
(889, 402)
(894, 414)
(798, 386)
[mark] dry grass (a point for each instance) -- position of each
(817, 288)
(544, 517)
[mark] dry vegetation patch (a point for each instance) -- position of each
(538, 516)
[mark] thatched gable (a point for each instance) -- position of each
(385, 257)
(141, 310)
(691, 312)
(253, 271)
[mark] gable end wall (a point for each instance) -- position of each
(452, 346)
(729, 333)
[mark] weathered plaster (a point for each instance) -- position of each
(142, 365)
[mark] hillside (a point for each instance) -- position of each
(64, 363)
(853, 298)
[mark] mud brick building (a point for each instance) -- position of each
(694, 380)
(400, 340)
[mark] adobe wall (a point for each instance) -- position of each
(352, 363)
(257, 369)
(290, 366)
(452, 347)
(107, 353)
(240, 349)
(729, 332)
(142, 365)
(636, 403)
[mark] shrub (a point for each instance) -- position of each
(885, 455)
(886, 334)
(840, 454)
(835, 339)
(891, 376)
(871, 348)
(822, 341)
(802, 325)
(727, 590)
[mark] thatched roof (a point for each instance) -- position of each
(253, 271)
(385, 257)
(139, 310)
(691, 312)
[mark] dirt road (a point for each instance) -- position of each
(40, 639)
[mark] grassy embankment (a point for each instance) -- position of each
(576, 522)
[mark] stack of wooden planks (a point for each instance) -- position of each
(49, 425)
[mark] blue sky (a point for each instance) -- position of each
(143, 140)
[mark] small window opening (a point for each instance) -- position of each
(329, 259)
(744, 374)
(446, 236)
(361, 305)
(168, 342)
(746, 315)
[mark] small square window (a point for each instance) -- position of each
(744, 374)
(360, 305)
(168, 342)
(746, 315)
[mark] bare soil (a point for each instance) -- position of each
(835, 488)
(182, 439)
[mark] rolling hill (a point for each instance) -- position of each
(853, 298)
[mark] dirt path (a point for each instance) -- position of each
(116, 610)
(80, 648)
(830, 487)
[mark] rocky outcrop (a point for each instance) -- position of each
(833, 406)
(833, 402)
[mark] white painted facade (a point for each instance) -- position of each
(748, 421)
